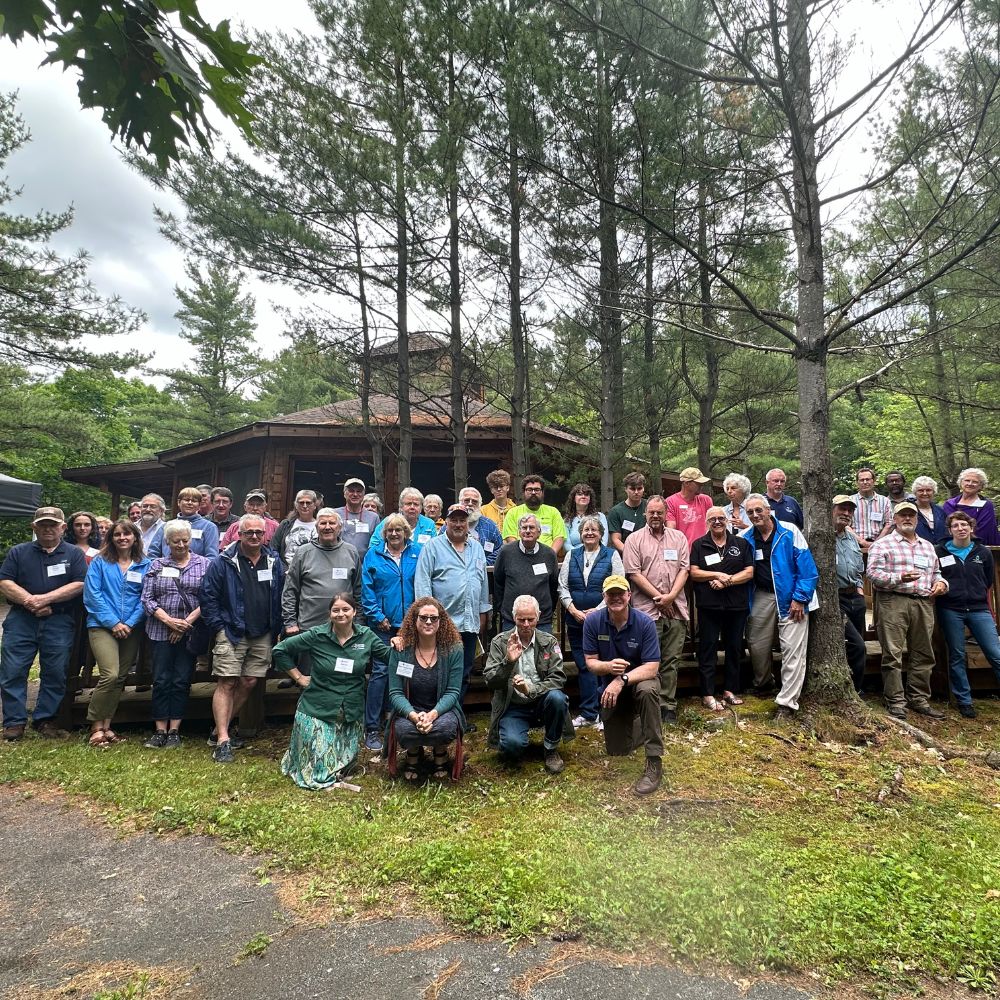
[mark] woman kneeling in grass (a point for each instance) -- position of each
(330, 718)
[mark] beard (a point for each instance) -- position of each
(533, 503)
(474, 517)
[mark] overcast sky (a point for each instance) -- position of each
(71, 162)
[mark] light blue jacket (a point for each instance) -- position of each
(110, 596)
(458, 581)
(425, 526)
(792, 567)
(387, 589)
(206, 544)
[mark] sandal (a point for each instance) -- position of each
(731, 699)
(712, 705)
(442, 769)
(99, 740)
(410, 772)
(113, 737)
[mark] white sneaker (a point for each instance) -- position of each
(598, 726)
(581, 723)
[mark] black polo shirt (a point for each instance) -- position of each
(41, 572)
(735, 554)
(762, 576)
(256, 597)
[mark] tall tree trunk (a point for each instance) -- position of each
(519, 389)
(948, 470)
(828, 679)
(707, 397)
(405, 454)
(653, 416)
(365, 380)
(458, 437)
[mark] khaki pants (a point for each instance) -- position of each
(793, 637)
(635, 721)
(671, 632)
(115, 658)
(905, 625)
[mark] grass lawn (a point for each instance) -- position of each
(762, 849)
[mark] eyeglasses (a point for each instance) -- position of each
(429, 619)
(252, 532)
(711, 520)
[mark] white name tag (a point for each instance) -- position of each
(93, 552)
(539, 569)
(759, 555)
(196, 533)
(682, 506)
(713, 559)
(921, 562)
(170, 573)
(487, 546)
(58, 570)
(338, 573)
(361, 527)
(546, 529)
(628, 525)
(133, 576)
(947, 560)
(669, 554)
(876, 515)
(424, 538)
(264, 576)
(404, 669)
(344, 665)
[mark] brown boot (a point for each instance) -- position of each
(650, 779)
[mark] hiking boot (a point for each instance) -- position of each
(967, 711)
(784, 712)
(157, 741)
(553, 762)
(50, 731)
(926, 709)
(12, 734)
(234, 738)
(173, 740)
(668, 716)
(897, 712)
(651, 777)
(223, 753)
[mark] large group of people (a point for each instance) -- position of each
(380, 620)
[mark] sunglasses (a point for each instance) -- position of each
(429, 619)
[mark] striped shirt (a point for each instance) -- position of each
(177, 595)
(871, 515)
(892, 556)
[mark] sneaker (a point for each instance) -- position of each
(157, 741)
(234, 738)
(373, 740)
(598, 726)
(553, 762)
(582, 722)
(651, 777)
(784, 712)
(471, 727)
(223, 753)
(173, 740)
(12, 734)
(50, 731)
(668, 716)
(967, 711)
(929, 710)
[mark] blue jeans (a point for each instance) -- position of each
(24, 638)
(173, 666)
(377, 697)
(469, 641)
(549, 712)
(984, 631)
(591, 686)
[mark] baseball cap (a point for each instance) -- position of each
(257, 493)
(48, 514)
(905, 506)
(843, 498)
(615, 582)
(354, 481)
(692, 475)
(457, 508)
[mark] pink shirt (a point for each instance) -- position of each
(689, 515)
(660, 560)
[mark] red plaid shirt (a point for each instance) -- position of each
(892, 556)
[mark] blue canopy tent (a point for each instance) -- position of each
(18, 498)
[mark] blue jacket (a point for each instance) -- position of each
(207, 545)
(387, 589)
(425, 526)
(938, 533)
(222, 606)
(792, 567)
(111, 597)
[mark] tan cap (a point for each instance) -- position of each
(901, 508)
(614, 582)
(692, 475)
(842, 499)
(49, 514)
(354, 481)
(257, 493)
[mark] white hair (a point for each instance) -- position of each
(524, 518)
(251, 517)
(328, 512)
(526, 600)
(740, 482)
(984, 481)
(470, 489)
(922, 481)
(433, 498)
(410, 491)
(176, 527)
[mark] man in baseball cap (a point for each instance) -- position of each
(42, 581)
(850, 585)
(359, 524)
(686, 509)
(255, 503)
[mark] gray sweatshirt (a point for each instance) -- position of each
(316, 574)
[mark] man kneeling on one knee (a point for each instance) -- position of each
(620, 643)
(525, 671)
(241, 604)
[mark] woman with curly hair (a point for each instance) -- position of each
(425, 681)
(581, 503)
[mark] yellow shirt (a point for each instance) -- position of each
(495, 513)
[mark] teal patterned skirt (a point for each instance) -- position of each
(319, 753)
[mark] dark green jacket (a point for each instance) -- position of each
(331, 690)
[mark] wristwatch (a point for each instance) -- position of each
(624, 680)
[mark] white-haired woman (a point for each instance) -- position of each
(737, 488)
(972, 482)
(931, 522)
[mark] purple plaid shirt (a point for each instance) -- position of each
(177, 596)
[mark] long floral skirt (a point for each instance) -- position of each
(319, 753)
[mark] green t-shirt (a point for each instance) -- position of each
(338, 671)
(549, 518)
(625, 519)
